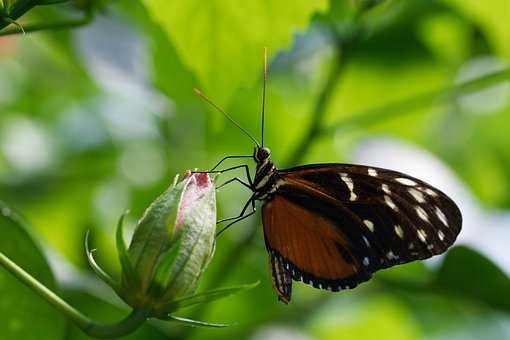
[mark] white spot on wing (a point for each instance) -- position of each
(369, 225)
(366, 261)
(417, 195)
(385, 188)
(422, 235)
(430, 192)
(422, 213)
(441, 216)
(366, 241)
(405, 181)
(389, 202)
(372, 172)
(440, 234)
(391, 256)
(350, 185)
(399, 231)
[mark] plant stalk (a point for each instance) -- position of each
(410, 105)
(124, 327)
(66, 24)
(342, 47)
(17, 12)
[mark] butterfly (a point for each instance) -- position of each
(333, 225)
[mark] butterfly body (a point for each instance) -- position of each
(333, 225)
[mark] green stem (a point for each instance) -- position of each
(67, 24)
(51, 2)
(410, 105)
(320, 109)
(92, 328)
(16, 12)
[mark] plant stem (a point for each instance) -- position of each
(407, 106)
(17, 12)
(92, 328)
(51, 2)
(324, 98)
(49, 26)
(122, 328)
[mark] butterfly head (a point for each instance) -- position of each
(261, 154)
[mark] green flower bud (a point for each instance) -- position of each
(172, 244)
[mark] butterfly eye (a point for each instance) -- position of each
(262, 154)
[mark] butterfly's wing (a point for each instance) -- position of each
(307, 247)
(282, 278)
(333, 225)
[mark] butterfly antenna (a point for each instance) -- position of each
(264, 94)
(204, 97)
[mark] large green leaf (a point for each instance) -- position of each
(493, 17)
(222, 40)
(379, 318)
(23, 314)
(467, 273)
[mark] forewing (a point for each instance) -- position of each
(383, 217)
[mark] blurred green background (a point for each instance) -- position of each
(99, 119)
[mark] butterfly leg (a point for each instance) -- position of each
(228, 157)
(240, 217)
(244, 166)
(235, 179)
(243, 211)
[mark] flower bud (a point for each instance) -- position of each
(170, 248)
(172, 244)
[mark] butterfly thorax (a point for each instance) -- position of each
(265, 174)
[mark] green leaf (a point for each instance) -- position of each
(222, 41)
(492, 17)
(208, 296)
(24, 315)
(128, 272)
(378, 317)
(491, 286)
(97, 269)
(195, 323)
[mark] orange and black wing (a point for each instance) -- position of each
(333, 225)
